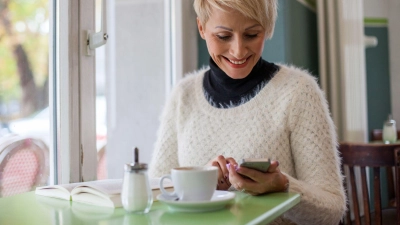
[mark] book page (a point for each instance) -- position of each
(89, 198)
(108, 187)
(56, 191)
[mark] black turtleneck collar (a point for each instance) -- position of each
(223, 91)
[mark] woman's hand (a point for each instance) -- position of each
(256, 182)
(223, 172)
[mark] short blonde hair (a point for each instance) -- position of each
(263, 11)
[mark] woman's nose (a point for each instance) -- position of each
(238, 49)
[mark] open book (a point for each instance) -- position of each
(100, 192)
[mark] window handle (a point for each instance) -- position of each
(97, 39)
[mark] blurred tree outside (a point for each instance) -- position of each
(24, 75)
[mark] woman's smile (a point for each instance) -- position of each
(238, 63)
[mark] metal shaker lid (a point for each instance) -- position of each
(390, 121)
(135, 166)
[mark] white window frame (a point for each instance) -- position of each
(73, 90)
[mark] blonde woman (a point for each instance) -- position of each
(245, 107)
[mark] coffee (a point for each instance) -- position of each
(191, 183)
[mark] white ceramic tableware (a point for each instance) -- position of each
(219, 200)
(191, 183)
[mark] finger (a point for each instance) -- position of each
(222, 163)
(252, 174)
(273, 167)
(237, 180)
(250, 187)
(254, 182)
(231, 161)
(223, 186)
(220, 174)
(223, 181)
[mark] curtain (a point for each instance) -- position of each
(342, 70)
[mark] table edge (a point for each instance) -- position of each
(271, 215)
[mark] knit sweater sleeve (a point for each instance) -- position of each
(165, 156)
(314, 148)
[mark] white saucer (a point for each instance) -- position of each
(218, 201)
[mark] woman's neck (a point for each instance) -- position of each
(223, 91)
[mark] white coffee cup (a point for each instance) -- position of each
(191, 183)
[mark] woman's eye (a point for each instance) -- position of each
(224, 38)
(250, 36)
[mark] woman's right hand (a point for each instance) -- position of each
(223, 173)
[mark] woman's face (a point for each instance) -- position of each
(234, 42)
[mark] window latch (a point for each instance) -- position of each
(97, 39)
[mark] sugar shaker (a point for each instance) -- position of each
(389, 133)
(136, 193)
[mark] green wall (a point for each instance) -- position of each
(301, 36)
(378, 78)
(378, 90)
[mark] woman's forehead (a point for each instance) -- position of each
(230, 18)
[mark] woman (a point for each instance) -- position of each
(245, 107)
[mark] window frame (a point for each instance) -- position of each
(73, 86)
(72, 93)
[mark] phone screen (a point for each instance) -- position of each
(261, 165)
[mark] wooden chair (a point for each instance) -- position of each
(376, 135)
(101, 164)
(24, 164)
(373, 156)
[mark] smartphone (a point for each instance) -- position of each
(256, 164)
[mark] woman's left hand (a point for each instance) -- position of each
(255, 182)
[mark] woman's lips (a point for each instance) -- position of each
(239, 63)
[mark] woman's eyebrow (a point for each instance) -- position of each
(225, 28)
(229, 29)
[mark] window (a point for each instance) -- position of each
(24, 95)
(88, 111)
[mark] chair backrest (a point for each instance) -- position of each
(24, 164)
(101, 164)
(376, 134)
(374, 156)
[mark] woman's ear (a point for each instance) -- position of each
(200, 27)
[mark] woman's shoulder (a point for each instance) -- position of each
(297, 76)
(296, 73)
(300, 83)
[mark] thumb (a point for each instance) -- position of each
(273, 167)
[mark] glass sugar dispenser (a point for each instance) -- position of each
(136, 193)
(389, 133)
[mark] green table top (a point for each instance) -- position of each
(28, 208)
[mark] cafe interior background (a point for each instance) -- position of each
(86, 109)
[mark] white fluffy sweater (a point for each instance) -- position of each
(288, 121)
